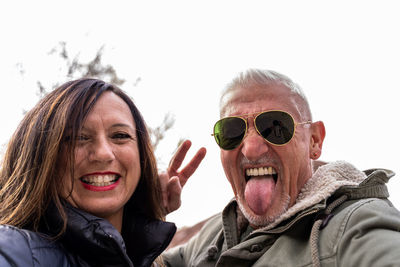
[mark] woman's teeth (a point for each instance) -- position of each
(100, 180)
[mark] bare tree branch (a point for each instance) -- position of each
(158, 133)
(96, 69)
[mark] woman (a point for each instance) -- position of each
(79, 183)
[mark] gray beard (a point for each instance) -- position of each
(259, 221)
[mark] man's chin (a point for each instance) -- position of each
(259, 221)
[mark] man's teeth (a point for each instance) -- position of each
(100, 180)
(260, 171)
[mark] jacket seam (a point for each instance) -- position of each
(345, 222)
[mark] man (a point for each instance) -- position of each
(289, 209)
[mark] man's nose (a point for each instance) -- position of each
(101, 151)
(254, 146)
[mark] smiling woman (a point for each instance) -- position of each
(106, 166)
(80, 170)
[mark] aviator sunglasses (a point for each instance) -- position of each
(275, 126)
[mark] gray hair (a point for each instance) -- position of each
(265, 78)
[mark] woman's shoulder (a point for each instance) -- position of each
(20, 247)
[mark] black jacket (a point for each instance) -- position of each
(88, 241)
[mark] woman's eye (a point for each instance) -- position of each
(81, 137)
(77, 138)
(121, 136)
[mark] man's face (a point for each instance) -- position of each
(263, 198)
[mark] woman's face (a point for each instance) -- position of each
(107, 161)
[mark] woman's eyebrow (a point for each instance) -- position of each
(124, 125)
(116, 125)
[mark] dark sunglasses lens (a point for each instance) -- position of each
(276, 127)
(229, 132)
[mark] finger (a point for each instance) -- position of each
(174, 194)
(179, 156)
(191, 167)
(163, 178)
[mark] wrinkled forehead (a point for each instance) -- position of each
(256, 98)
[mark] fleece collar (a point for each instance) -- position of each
(324, 182)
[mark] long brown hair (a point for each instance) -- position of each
(29, 176)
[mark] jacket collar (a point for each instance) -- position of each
(328, 180)
(324, 182)
(98, 243)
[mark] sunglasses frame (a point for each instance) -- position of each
(255, 115)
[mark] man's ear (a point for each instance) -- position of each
(316, 139)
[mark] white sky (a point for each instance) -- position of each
(345, 55)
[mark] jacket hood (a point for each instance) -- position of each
(326, 180)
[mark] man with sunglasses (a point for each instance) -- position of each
(289, 209)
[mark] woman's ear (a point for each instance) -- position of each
(316, 139)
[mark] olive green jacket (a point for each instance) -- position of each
(342, 217)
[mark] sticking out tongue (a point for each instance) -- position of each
(258, 193)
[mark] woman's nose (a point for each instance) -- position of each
(101, 151)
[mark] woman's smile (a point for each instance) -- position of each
(100, 181)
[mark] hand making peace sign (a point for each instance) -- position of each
(173, 180)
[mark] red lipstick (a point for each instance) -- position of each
(100, 188)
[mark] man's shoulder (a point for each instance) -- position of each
(359, 214)
(201, 230)
(359, 209)
(211, 227)
(200, 241)
(362, 230)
